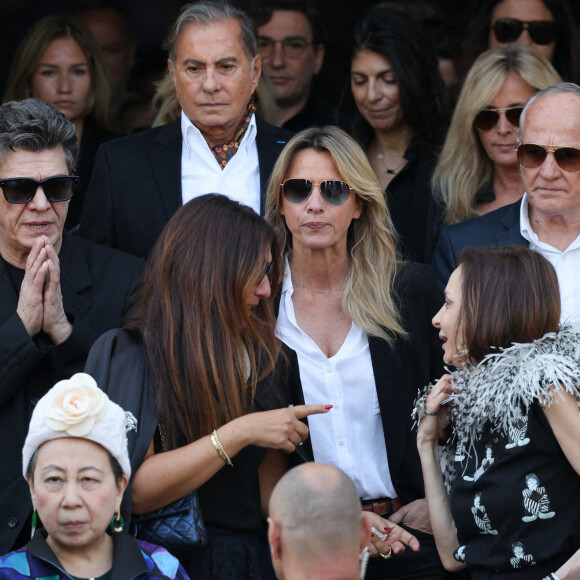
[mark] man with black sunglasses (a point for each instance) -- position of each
(58, 293)
(547, 218)
(218, 145)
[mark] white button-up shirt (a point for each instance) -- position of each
(350, 436)
(566, 264)
(201, 173)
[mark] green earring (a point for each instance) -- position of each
(117, 523)
(34, 521)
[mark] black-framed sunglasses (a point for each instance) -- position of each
(292, 46)
(531, 155)
(267, 271)
(23, 189)
(334, 191)
(510, 29)
(489, 118)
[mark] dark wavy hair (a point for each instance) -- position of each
(566, 58)
(398, 37)
(200, 337)
(509, 294)
(33, 125)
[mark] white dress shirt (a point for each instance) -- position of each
(566, 264)
(350, 436)
(201, 173)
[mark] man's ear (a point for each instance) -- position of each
(318, 58)
(275, 538)
(365, 530)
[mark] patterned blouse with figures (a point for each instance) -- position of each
(515, 496)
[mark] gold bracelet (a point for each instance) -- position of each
(220, 449)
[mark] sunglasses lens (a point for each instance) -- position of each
(59, 188)
(18, 190)
(486, 120)
(542, 31)
(513, 116)
(568, 158)
(507, 29)
(335, 192)
(296, 190)
(530, 155)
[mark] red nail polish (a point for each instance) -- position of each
(328, 406)
(388, 530)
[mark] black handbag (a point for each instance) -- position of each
(178, 527)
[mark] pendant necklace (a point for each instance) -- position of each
(388, 170)
(325, 292)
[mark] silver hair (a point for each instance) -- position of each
(209, 12)
(557, 89)
(33, 125)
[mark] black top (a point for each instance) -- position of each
(416, 215)
(91, 140)
(315, 113)
(515, 499)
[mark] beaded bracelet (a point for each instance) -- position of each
(220, 449)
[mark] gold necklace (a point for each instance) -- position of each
(325, 292)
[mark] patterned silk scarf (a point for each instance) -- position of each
(224, 152)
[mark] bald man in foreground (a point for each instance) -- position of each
(316, 527)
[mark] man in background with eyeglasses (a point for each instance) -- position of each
(218, 145)
(290, 44)
(58, 293)
(547, 218)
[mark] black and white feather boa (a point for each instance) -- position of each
(495, 393)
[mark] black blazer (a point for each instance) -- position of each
(497, 228)
(95, 283)
(400, 371)
(136, 185)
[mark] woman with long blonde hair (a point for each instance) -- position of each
(478, 170)
(358, 318)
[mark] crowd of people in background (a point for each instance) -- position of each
(313, 284)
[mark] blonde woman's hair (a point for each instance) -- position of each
(369, 296)
(33, 46)
(463, 167)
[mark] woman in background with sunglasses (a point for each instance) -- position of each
(358, 319)
(397, 110)
(547, 25)
(478, 169)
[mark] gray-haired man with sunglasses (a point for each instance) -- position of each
(58, 293)
(547, 219)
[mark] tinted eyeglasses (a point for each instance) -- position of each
(23, 189)
(335, 192)
(488, 118)
(510, 29)
(530, 156)
(292, 47)
(267, 271)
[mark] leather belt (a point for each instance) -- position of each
(383, 506)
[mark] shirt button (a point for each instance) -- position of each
(328, 369)
(336, 405)
(563, 256)
(341, 442)
(33, 401)
(12, 522)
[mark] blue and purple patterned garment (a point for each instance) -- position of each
(132, 560)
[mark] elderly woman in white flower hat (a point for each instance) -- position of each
(76, 463)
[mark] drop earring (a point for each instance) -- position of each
(117, 523)
(34, 521)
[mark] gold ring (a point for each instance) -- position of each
(387, 555)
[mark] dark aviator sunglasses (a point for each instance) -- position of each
(488, 118)
(23, 189)
(531, 156)
(334, 191)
